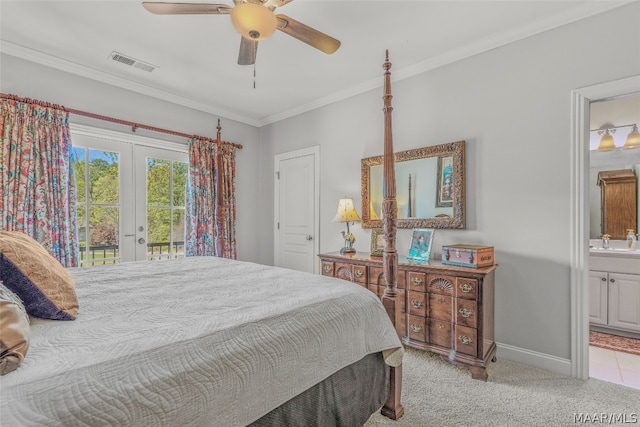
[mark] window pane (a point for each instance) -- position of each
(103, 177)
(179, 183)
(103, 235)
(79, 165)
(159, 228)
(177, 233)
(158, 174)
(82, 232)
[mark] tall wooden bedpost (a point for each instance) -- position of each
(392, 408)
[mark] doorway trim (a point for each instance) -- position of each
(315, 151)
(579, 246)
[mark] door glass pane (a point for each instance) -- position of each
(166, 195)
(179, 184)
(158, 182)
(177, 233)
(103, 177)
(98, 206)
(103, 235)
(79, 166)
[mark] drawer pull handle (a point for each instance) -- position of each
(416, 303)
(416, 328)
(359, 273)
(327, 268)
(417, 281)
(465, 339)
(439, 325)
(465, 312)
(466, 288)
(440, 300)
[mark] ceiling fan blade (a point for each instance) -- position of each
(310, 36)
(275, 3)
(160, 8)
(248, 51)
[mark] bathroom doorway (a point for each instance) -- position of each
(579, 204)
(614, 345)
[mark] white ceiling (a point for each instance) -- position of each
(196, 55)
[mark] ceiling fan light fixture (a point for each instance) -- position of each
(253, 21)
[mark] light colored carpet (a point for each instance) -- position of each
(436, 393)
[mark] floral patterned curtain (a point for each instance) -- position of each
(201, 193)
(36, 176)
(211, 205)
(226, 218)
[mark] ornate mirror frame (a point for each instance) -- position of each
(456, 221)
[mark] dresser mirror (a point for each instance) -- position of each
(429, 187)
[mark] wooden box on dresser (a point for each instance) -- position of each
(446, 309)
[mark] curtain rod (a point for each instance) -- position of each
(133, 125)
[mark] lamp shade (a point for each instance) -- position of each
(253, 21)
(346, 211)
(606, 143)
(633, 140)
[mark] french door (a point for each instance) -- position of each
(130, 197)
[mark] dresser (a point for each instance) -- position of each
(445, 309)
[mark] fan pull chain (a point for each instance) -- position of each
(254, 75)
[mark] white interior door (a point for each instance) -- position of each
(296, 210)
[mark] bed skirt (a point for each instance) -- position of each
(347, 398)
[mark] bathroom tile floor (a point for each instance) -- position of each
(614, 366)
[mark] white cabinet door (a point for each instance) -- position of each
(624, 301)
(598, 286)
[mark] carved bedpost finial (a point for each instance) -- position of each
(218, 137)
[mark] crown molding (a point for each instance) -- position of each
(100, 76)
(585, 10)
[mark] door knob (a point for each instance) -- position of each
(141, 241)
(309, 237)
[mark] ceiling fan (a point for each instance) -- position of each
(254, 20)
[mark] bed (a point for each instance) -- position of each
(210, 341)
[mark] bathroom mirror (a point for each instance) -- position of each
(429, 187)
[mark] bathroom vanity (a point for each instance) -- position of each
(614, 290)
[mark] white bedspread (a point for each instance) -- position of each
(198, 341)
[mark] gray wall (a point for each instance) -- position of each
(513, 107)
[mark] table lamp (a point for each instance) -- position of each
(347, 213)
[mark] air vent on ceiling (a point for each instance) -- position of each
(127, 60)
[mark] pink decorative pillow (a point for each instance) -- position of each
(29, 270)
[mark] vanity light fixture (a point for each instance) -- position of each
(607, 142)
(633, 140)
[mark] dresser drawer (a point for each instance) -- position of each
(376, 276)
(466, 340)
(466, 288)
(417, 281)
(417, 303)
(417, 328)
(440, 332)
(466, 312)
(441, 284)
(360, 273)
(343, 271)
(327, 268)
(440, 306)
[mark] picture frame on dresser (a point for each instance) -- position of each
(377, 241)
(421, 243)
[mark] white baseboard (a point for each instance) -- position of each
(533, 358)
